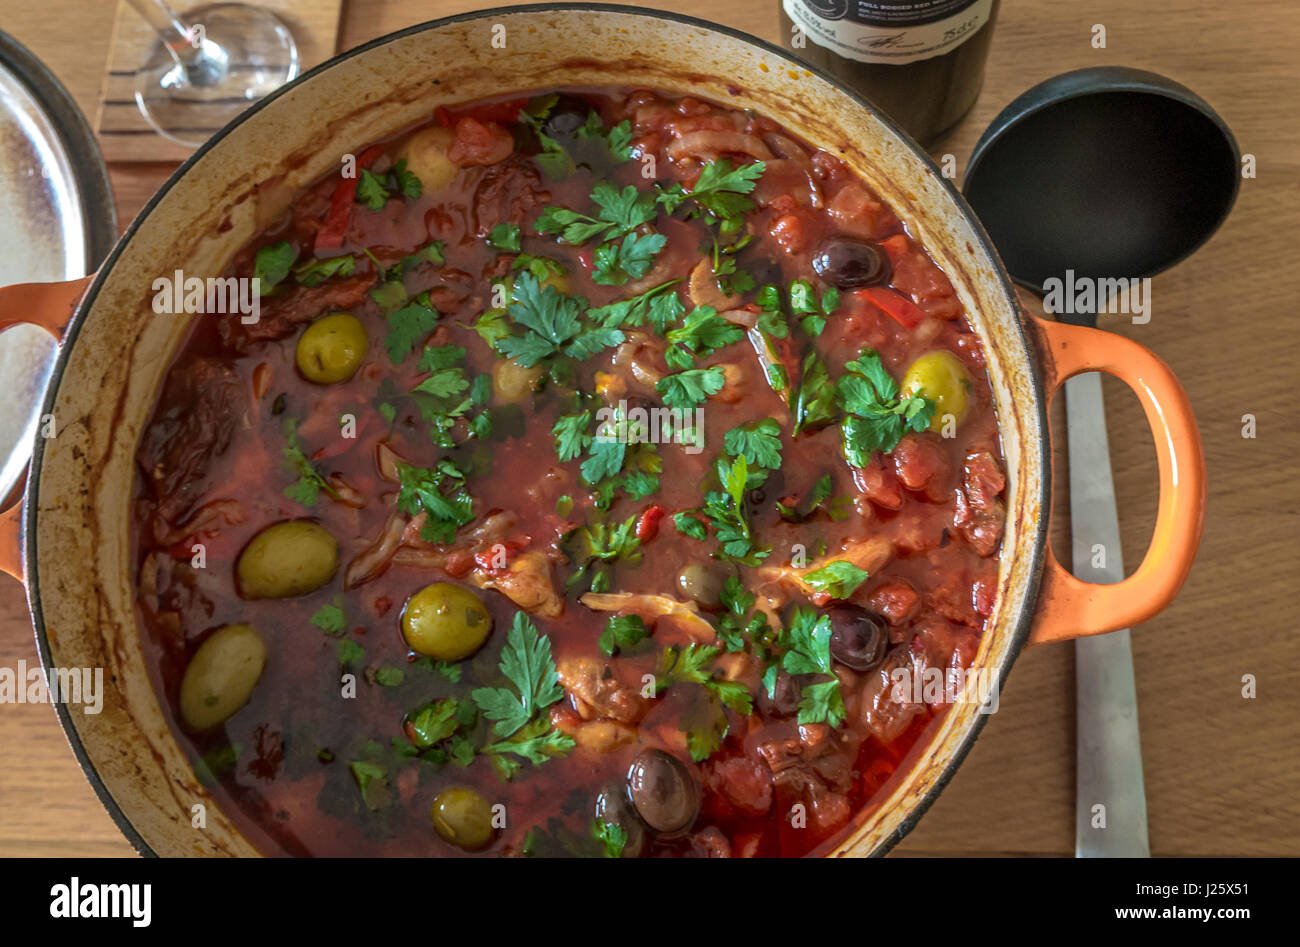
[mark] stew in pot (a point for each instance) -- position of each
(596, 467)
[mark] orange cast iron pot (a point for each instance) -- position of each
(69, 541)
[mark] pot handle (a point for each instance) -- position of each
(1067, 607)
(50, 306)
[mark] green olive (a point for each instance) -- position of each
(221, 676)
(287, 559)
(463, 818)
(703, 583)
(941, 377)
(514, 383)
(445, 622)
(332, 348)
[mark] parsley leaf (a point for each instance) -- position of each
(527, 664)
(656, 305)
(504, 238)
(426, 490)
(553, 325)
(701, 333)
(622, 632)
(315, 272)
(719, 192)
(611, 836)
(838, 579)
(877, 417)
(330, 619)
(406, 326)
(615, 263)
(571, 437)
(272, 264)
(814, 401)
(310, 480)
(597, 545)
(374, 190)
(689, 388)
(758, 441)
(807, 642)
(725, 512)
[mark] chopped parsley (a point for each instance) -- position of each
(374, 190)
(876, 417)
(689, 388)
(408, 325)
(814, 400)
(621, 633)
(725, 512)
(504, 238)
(595, 547)
(306, 490)
(272, 264)
(821, 491)
(611, 836)
(616, 263)
(701, 334)
(758, 441)
(719, 193)
(656, 305)
(618, 139)
(838, 579)
(552, 325)
(528, 666)
(438, 492)
(620, 213)
(315, 272)
(807, 643)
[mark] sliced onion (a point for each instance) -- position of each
(375, 559)
(709, 145)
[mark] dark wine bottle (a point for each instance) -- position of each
(920, 61)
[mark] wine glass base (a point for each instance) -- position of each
(189, 106)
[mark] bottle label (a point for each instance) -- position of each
(878, 31)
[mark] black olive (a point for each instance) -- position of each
(613, 808)
(847, 263)
(566, 116)
(785, 697)
(858, 637)
(663, 791)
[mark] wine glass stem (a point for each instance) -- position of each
(202, 63)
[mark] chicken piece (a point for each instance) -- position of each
(867, 554)
(652, 607)
(597, 693)
(527, 582)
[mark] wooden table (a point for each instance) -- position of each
(1222, 772)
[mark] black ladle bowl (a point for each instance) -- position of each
(1109, 172)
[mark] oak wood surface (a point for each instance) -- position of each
(1222, 772)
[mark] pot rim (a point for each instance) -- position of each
(1038, 537)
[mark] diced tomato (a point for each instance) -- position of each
(898, 307)
(478, 144)
(895, 248)
(647, 527)
(895, 599)
(331, 234)
(505, 112)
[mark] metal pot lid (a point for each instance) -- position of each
(59, 224)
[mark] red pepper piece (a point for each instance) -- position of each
(893, 304)
(330, 236)
(647, 526)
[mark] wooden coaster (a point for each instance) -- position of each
(123, 133)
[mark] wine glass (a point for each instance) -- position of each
(208, 67)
